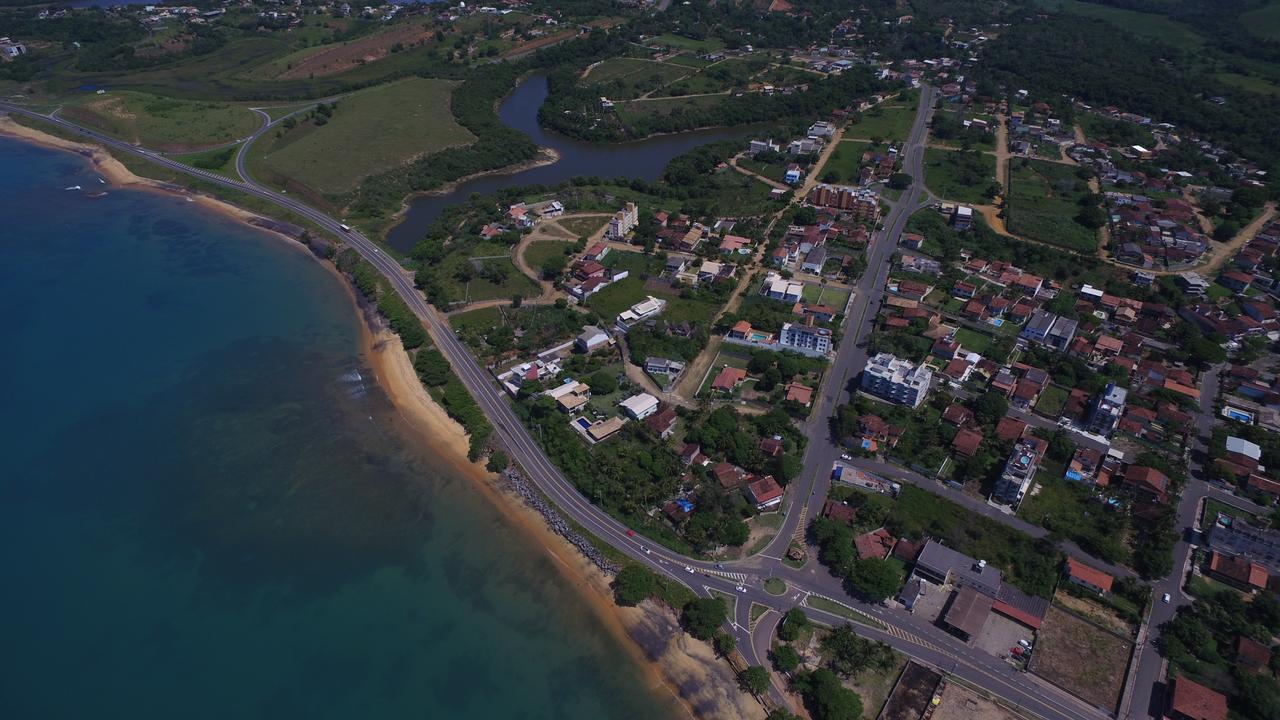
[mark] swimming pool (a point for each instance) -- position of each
(583, 423)
(1237, 415)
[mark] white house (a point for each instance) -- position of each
(777, 288)
(643, 310)
(639, 407)
(591, 338)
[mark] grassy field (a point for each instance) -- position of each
(629, 111)
(1043, 203)
(681, 42)
(722, 76)
(891, 123)
(1052, 401)
(1067, 509)
(485, 272)
(1263, 22)
(962, 177)
(583, 227)
(539, 251)
(973, 340)
(221, 160)
(1252, 83)
(163, 123)
(1081, 658)
(1148, 25)
(370, 132)
(615, 68)
(845, 161)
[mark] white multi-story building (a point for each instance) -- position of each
(805, 339)
(623, 222)
(896, 380)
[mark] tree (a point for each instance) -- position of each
(754, 680)
(784, 715)
(848, 654)
(602, 383)
(634, 584)
(785, 659)
(703, 616)
(874, 578)
(827, 698)
(724, 643)
(432, 367)
(900, 181)
(793, 623)
(498, 461)
(831, 176)
(990, 408)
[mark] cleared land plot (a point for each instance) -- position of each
(822, 295)
(973, 340)
(720, 77)
(629, 111)
(912, 695)
(681, 42)
(960, 176)
(615, 68)
(370, 132)
(1252, 83)
(583, 226)
(1043, 203)
(1052, 400)
(539, 251)
(891, 123)
(961, 703)
(1263, 22)
(337, 58)
(845, 161)
(688, 60)
(1081, 658)
(649, 78)
(485, 272)
(1139, 23)
(163, 123)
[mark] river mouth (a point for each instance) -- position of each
(639, 159)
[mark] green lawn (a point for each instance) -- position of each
(680, 42)
(539, 251)
(772, 171)
(1066, 509)
(973, 340)
(890, 123)
(1148, 25)
(615, 68)
(960, 176)
(163, 123)
(1212, 507)
(1052, 400)
(490, 278)
(835, 608)
(221, 161)
(583, 226)
(1252, 83)
(1043, 203)
(845, 161)
(1263, 22)
(370, 132)
(629, 111)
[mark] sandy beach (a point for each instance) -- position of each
(678, 666)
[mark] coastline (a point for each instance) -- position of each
(678, 666)
(675, 664)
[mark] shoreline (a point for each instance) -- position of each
(677, 666)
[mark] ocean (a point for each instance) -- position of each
(209, 510)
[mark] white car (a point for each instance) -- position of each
(1165, 598)
(846, 456)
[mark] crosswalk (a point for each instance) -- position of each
(887, 628)
(739, 578)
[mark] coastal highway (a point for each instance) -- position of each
(741, 580)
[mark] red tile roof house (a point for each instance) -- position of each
(662, 423)
(966, 442)
(765, 492)
(728, 379)
(771, 446)
(839, 512)
(957, 415)
(1192, 701)
(728, 474)
(1252, 655)
(1088, 578)
(875, 544)
(798, 393)
(1238, 571)
(1009, 429)
(1148, 483)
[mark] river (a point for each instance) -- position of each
(643, 159)
(209, 509)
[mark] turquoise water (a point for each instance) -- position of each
(207, 510)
